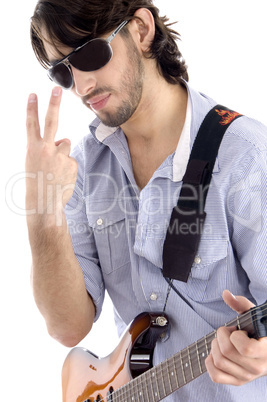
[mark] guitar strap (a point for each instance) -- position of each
(188, 216)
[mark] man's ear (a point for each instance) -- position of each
(144, 28)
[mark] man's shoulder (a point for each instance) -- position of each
(243, 148)
(249, 132)
(245, 132)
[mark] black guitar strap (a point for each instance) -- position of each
(188, 216)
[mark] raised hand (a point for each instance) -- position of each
(50, 171)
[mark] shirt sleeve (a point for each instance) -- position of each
(83, 238)
(247, 206)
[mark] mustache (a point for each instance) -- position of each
(95, 92)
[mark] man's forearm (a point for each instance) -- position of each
(58, 283)
(57, 279)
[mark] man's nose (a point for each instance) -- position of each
(84, 82)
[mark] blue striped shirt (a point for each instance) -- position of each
(118, 234)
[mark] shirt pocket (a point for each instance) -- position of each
(109, 228)
(208, 276)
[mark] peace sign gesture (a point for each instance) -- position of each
(50, 172)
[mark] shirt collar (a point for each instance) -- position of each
(182, 153)
(101, 131)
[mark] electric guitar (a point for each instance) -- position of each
(127, 374)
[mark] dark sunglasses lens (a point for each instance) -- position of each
(94, 55)
(61, 75)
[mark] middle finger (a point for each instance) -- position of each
(51, 120)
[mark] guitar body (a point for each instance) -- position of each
(86, 378)
(127, 374)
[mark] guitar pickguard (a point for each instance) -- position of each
(127, 373)
(141, 357)
(87, 378)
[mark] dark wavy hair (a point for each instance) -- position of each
(73, 22)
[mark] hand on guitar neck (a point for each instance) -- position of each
(231, 357)
(235, 358)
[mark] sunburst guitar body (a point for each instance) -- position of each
(128, 375)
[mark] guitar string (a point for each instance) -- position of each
(184, 354)
(165, 372)
(245, 318)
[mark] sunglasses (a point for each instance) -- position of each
(91, 56)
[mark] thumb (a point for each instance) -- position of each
(239, 304)
(64, 146)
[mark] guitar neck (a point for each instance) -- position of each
(177, 371)
(165, 378)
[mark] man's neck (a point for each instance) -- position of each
(154, 130)
(160, 116)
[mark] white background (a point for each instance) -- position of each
(224, 44)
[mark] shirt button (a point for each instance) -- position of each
(153, 296)
(197, 260)
(99, 222)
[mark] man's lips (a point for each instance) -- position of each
(98, 102)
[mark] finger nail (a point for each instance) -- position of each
(32, 98)
(233, 296)
(56, 91)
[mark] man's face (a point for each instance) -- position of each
(113, 92)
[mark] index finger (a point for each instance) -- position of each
(51, 120)
(32, 119)
(249, 347)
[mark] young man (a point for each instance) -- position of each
(121, 183)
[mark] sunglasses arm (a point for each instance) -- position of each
(112, 36)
